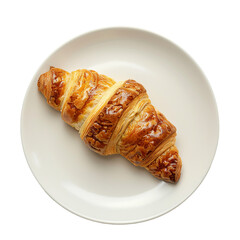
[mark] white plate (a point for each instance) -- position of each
(110, 189)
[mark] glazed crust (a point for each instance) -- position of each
(167, 166)
(52, 85)
(148, 130)
(114, 118)
(88, 89)
(99, 134)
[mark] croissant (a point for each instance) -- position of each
(114, 118)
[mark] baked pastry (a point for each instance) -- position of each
(114, 118)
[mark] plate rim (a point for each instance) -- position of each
(122, 28)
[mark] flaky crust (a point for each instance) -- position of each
(88, 89)
(148, 130)
(167, 166)
(114, 117)
(52, 85)
(99, 134)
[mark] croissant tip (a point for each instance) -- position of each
(178, 169)
(40, 83)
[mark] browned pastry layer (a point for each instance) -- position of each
(99, 134)
(88, 89)
(167, 166)
(148, 130)
(52, 85)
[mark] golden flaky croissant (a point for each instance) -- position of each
(114, 118)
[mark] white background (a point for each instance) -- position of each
(208, 30)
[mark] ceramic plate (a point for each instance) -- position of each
(110, 189)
